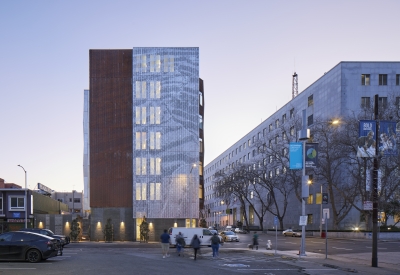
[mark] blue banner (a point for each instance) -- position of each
(366, 143)
(387, 138)
(311, 155)
(296, 155)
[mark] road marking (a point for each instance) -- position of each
(290, 242)
(317, 242)
(341, 248)
(378, 247)
(16, 268)
(345, 242)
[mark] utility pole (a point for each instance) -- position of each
(375, 191)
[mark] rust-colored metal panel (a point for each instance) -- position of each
(110, 124)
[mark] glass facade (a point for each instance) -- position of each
(166, 132)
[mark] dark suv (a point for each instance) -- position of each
(63, 239)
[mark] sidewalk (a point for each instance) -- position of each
(388, 262)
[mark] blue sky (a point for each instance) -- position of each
(248, 53)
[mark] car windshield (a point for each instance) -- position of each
(229, 233)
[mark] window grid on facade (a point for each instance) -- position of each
(17, 202)
(291, 113)
(365, 79)
(310, 120)
(382, 102)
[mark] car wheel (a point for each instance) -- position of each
(33, 256)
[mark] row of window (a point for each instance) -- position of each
(154, 165)
(151, 191)
(154, 89)
(141, 140)
(154, 63)
(382, 79)
(382, 102)
(141, 115)
(14, 202)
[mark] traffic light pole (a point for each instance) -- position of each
(375, 191)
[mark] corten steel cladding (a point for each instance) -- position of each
(110, 128)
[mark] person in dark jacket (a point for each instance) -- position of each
(215, 242)
(195, 243)
(255, 241)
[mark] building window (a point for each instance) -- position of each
(382, 79)
(284, 136)
(397, 79)
(277, 171)
(310, 120)
(155, 89)
(155, 140)
(141, 89)
(284, 152)
(310, 199)
(270, 127)
(277, 123)
(283, 118)
(365, 79)
(17, 202)
(365, 102)
(155, 166)
(140, 140)
(292, 113)
(310, 219)
(292, 131)
(382, 102)
(78, 200)
(200, 122)
(276, 139)
(310, 100)
(155, 63)
(270, 143)
(140, 115)
(141, 190)
(270, 174)
(200, 99)
(155, 115)
(264, 132)
(259, 135)
(271, 158)
(141, 63)
(169, 64)
(141, 166)
(155, 191)
(398, 102)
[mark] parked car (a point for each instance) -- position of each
(27, 246)
(63, 239)
(291, 232)
(241, 231)
(229, 236)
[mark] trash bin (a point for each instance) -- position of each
(323, 234)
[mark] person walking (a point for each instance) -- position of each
(215, 242)
(165, 242)
(180, 244)
(255, 241)
(195, 243)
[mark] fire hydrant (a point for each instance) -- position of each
(269, 245)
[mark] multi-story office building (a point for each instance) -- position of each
(347, 88)
(143, 132)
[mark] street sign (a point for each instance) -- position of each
(303, 220)
(325, 211)
(323, 221)
(368, 205)
(275, 220)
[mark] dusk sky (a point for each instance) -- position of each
(248, 53)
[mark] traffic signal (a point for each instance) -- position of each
(324, 198)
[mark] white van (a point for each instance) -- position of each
(203, 234)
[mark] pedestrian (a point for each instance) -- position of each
(195, 243)
(165, 242)
(255, 241)
(180, 244)
(215, 242)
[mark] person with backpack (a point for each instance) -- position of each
(180, 244)
(215, 242)
(255, 241)
(195, 243)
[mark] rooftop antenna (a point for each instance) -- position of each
(295, 83)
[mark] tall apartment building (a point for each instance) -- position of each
(346, 88)
(144, 142)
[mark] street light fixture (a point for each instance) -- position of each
(26, 197)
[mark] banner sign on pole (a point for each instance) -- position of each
(296, 155)
(275, 220)
(311, 157)
(366, 139)
(387, 138)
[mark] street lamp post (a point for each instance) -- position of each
(26, 198)
(304, 135)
